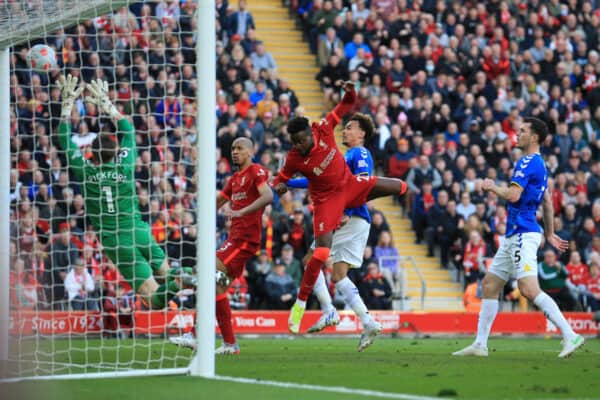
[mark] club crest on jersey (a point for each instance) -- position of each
(322, 144)
(243, 181)
(317, 171)
(321, 226)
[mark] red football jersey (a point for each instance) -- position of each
(242, 190)
(593, 284)
(578, 274)
(324, 167)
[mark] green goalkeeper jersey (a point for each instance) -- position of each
(109, 189)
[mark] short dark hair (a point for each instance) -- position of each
(104, 148)
(538, 127)
(366, 124)
(297, 124)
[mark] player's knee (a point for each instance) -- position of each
(528, 290)
(321, 253)
(489, 288)
(340, 271)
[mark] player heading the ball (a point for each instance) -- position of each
(332, 187)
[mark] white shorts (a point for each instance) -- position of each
(349, 242)
(517, 256)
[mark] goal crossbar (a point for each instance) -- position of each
(19, 27)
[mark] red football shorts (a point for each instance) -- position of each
(234, 254)
(328, 212)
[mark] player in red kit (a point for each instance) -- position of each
(248, 193)
(332, 187)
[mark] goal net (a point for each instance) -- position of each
(89, 243)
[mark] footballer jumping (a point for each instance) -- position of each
(331, 185)
(350, 239)
(111, 200)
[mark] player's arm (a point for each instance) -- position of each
(548, 216)
(298, 183)
(128, 151)
(512, 193)
(265, 198)
(224, 195)
(335, 116)
(99, 95)
(69, 93)
(284, 175)
(221, 200)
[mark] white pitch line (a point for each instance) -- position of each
(335, 389)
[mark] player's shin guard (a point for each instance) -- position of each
(223, 311)
(351, 297)
(322, 293)
(487, 315)
(552, 312)
(320, 255)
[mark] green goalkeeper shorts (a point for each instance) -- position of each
(134, 252)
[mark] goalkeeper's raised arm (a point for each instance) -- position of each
(111, 200)
(99, 96)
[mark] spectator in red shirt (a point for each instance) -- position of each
(475, 251)
(400, 163)
(593, 287)
(494, 62)
(578, 271)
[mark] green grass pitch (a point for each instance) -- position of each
(515, 369)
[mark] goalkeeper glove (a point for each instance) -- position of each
(99, 90)
(69, 93)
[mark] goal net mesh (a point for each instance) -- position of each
(72, 307)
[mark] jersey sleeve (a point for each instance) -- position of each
(286, 172)
(328, 124)
(128, 151)
(76, 161)
(298, 183)
(226, 192)
(521, 174)
(260, 176)
(334, 116)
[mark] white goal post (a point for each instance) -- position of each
(22, 21)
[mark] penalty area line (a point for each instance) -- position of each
(319, 388)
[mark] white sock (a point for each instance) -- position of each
(301, 303)
(487, 315)
(552, 312)
(351, 297)
(320, 290)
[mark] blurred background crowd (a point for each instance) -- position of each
(446, 83)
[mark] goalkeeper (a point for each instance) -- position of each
(111, 200)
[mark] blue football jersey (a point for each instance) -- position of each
(361, 163)
(529, 174)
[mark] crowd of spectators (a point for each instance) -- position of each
(447, 83)
(146, 53)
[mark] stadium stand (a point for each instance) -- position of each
(446, 84)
